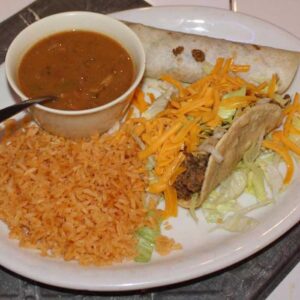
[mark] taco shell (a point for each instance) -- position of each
(244, 131)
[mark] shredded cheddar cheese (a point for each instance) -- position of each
(171, 202)
(139, 100)
(280, 141)
(151, 96)
(238, 102)
(240, 68)
(272, 86)
(283, 152)
(278, 135)
(187, 120)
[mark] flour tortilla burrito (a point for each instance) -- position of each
(184, 55)
(205, 173)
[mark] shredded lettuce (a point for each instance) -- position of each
(144, 250)
(265, 90)
(252, 153)
(258, 174)
(192, 207)
(207, 67)
(150, 165)
(158, 105)
(238, 223)
(280, 100)
(190, 118)
(146, 241)
(234, 186)
(296, 121)
(238, 93)
(269, 163)
(249, 188)
(223, 199)
(258, 183)
(266, 158)
(151, 213)
(148, 233)
(227, 114)
(138, 141)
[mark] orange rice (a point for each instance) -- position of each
(164, 245)
(79, 200)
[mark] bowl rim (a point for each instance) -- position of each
(139, 74)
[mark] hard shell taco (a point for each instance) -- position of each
(205, 172)
(193, 139)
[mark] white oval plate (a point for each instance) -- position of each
(203, 252)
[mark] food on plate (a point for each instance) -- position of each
(186, 56)
(79, 200)
(193, 139)
(259, 174)
(83, 69)
(102, 200)
(245, 131)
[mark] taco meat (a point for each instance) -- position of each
(191, 180)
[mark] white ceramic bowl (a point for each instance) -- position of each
(82, 123)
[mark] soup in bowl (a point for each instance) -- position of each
(92, 63)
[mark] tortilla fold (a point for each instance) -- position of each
(182, 55)
(257, 121)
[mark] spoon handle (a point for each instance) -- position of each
(10, 111)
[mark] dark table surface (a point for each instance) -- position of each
(252, 278)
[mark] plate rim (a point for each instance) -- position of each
(286, 224)
(242, 14)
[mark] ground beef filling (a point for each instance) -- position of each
(190, 181)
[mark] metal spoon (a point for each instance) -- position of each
(10, 111)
